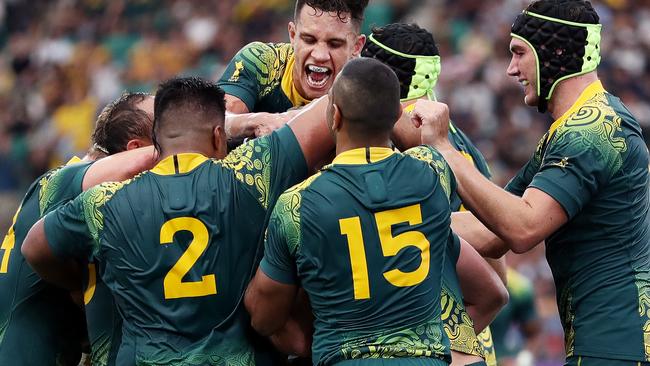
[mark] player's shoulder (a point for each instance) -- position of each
(256, 52)
(101, 194)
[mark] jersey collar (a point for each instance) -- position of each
(363, 155)
(289, 88)
(73, 160)
(178, 164)
(592, 90)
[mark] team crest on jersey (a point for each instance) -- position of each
(562, 163)
(239, 66)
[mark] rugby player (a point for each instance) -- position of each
(366, 244)
(412, 54)
(40, 325)
(179, 243)
(275, 77)
(584, 191)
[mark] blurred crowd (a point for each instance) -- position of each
(61, 61)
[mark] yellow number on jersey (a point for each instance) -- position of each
(390, 246)
(173, 284)
(92, 282)
(8, 244)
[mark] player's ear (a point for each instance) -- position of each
(336, 118)
(136, 144)
(219, 142)
(358, 45)
(292, 32)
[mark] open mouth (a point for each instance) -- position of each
(317, 76)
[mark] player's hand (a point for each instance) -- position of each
(432, 118)
(270, 124)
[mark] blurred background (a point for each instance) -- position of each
(61, 61)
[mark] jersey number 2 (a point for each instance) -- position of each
(390, 246)
(173, 284)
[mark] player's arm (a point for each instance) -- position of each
(36, 250)
(522, 222)
(120, 166)
(484, 294)
(269, 303)
(240, 126)
(310, 128)
(235, 105)
(62, 239)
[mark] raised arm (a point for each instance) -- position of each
(522, 222)
(119, 167)
(310, 128)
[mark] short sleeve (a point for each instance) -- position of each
(268, 165)
(67, 231)
(282, 240)
(524, 176)
(247, 73)
(576, 164)
(435, 160)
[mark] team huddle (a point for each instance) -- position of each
(317, 205)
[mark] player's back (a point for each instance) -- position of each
(178, 256)
(39, 323)
(374, 226)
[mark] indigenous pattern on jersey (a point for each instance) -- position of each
(178, 246)
(39, 323)
(102, 319)
(372, 266)
(458, 325)
(261, 75)
(594, 163)
(520, 310)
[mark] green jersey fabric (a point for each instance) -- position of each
(102, 319)
(39, 323)
(520, 310)
(178, 246)
(458, 325)
(594, 163)
(261, 75)
(368, 247)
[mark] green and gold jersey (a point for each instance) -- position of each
(458, 325)
(594, 163)
(368, 247)
(519, 310)
(177, 247)
(261, 75)
(39, 323)
(102, 319)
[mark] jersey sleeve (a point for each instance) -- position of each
(268, 165)
(249, 73)
(524, 176)
(577, 163)
(435, 160)
(282, 240)
(67, 231)
(62, 186)
(73, 230)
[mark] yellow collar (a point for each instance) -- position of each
(178, 164)
(594, 88)
(363, 155)
(73, 160)
(289, 88)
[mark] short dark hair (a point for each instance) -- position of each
(202, 100)
(367, 94)
(579, 11)
(406, 38)
(121, 121)
(341, 7)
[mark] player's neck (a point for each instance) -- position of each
(567, 93)
(344, 143)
